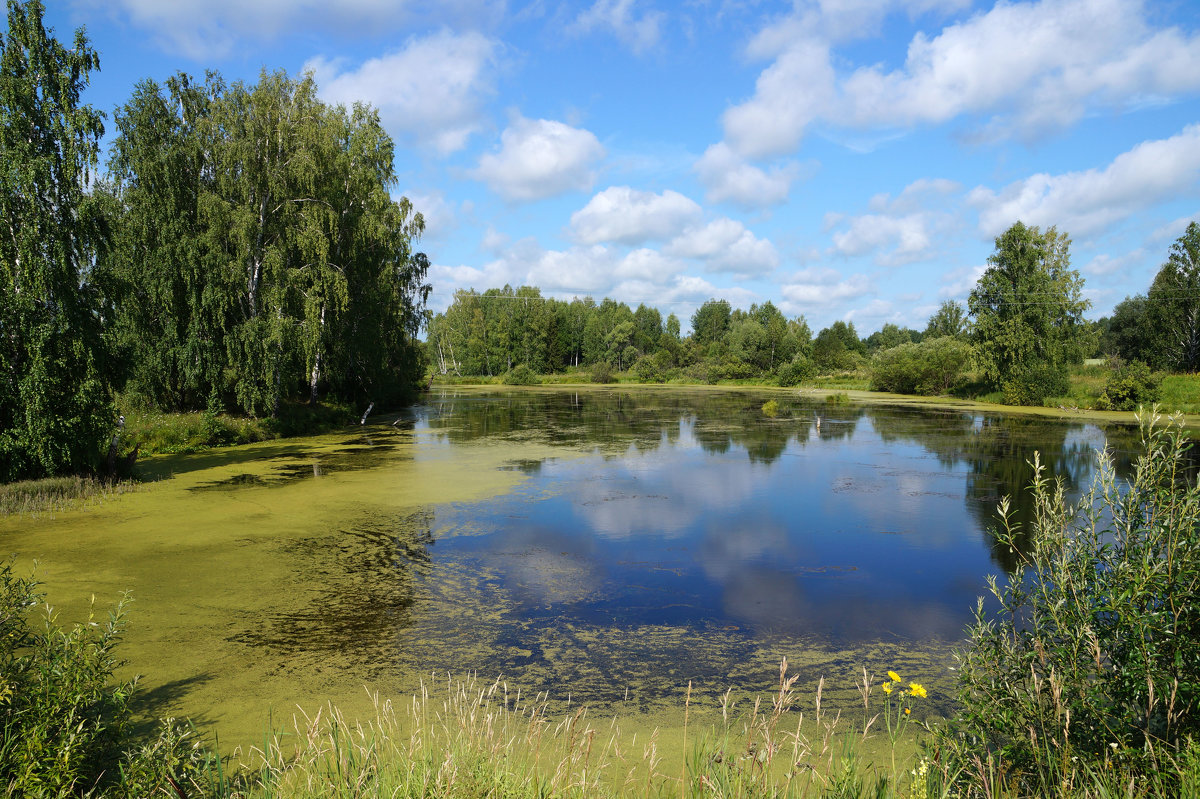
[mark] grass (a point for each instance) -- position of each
(1181, 393)
(467, 738)
(158, 433)
(57, 493)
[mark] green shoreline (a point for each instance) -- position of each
(1191, 421)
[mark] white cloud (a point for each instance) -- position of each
(1086, 202)
(629, 216)
(439, 215)
(1105, 264)
(729, 178)
(726, 245)
(903, 229)
(432, 89)
(817, 288)
(540, 158)
(795, 90)
(1174, 229)
(908, 235)
(957, 283)
(639, 34)
(648, 265)
(1019, 67)
(206, 29)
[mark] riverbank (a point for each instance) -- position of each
(853, 390)
(155, 433)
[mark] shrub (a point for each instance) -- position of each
(931, 367)
(602, 372)
(647, 370)
(1091, 662)
(1130, 385)
(64, 720)
(1030, 385)
(521, 375)
(796, 371)
(770, 408)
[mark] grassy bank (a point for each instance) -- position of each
(148, 432)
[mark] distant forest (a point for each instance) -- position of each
(1022, 326)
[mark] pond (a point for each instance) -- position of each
(605, 545)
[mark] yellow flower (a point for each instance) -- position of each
(887, 687)
(894, 677)
(907, 710)
(916, 689)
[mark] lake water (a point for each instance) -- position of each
(607, 544)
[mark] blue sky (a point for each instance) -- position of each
(845, 159)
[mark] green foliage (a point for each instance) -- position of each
(838, 348)
(932, 367)
(1032, 383)
(649, 369)
(55, 408)
(521, 375)
(257, 254)
(65, 722)
(1090, 662)
(710, 322)
(770, 408)
(950, 319)
(1129, 386)
(602, 372)
(1131, 335)
(1173, 305)
(1028, 312)
(795, 371)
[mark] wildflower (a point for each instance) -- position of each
(916, 689)
(887, 687)
(894, 677)
(907, 710)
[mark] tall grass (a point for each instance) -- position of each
(57, 493)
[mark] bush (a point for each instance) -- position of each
(1091, 663)
(795, 372)
(1129, 386)
(647, 370)
(1030, 385)
(602, 372)
(931, 367)
(521, 375)
(64, 721)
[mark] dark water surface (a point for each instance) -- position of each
(613, 544)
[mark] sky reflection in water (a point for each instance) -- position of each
(696, 511)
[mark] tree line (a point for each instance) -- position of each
(1021, 330)
(241, 249)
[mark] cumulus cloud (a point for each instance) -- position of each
(1090, 201)
(957, 283)
(817, 288)
(207, 29)
(902, 229)
(638, 33)
(725, 245)
(1019, 67)
(540, 158)
(630, 216)
(439, 215)
(730, 178)
(432, 89)
(1105, 264)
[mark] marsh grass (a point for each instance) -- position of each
(469, 738)
(158, 433)
(32, 497)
